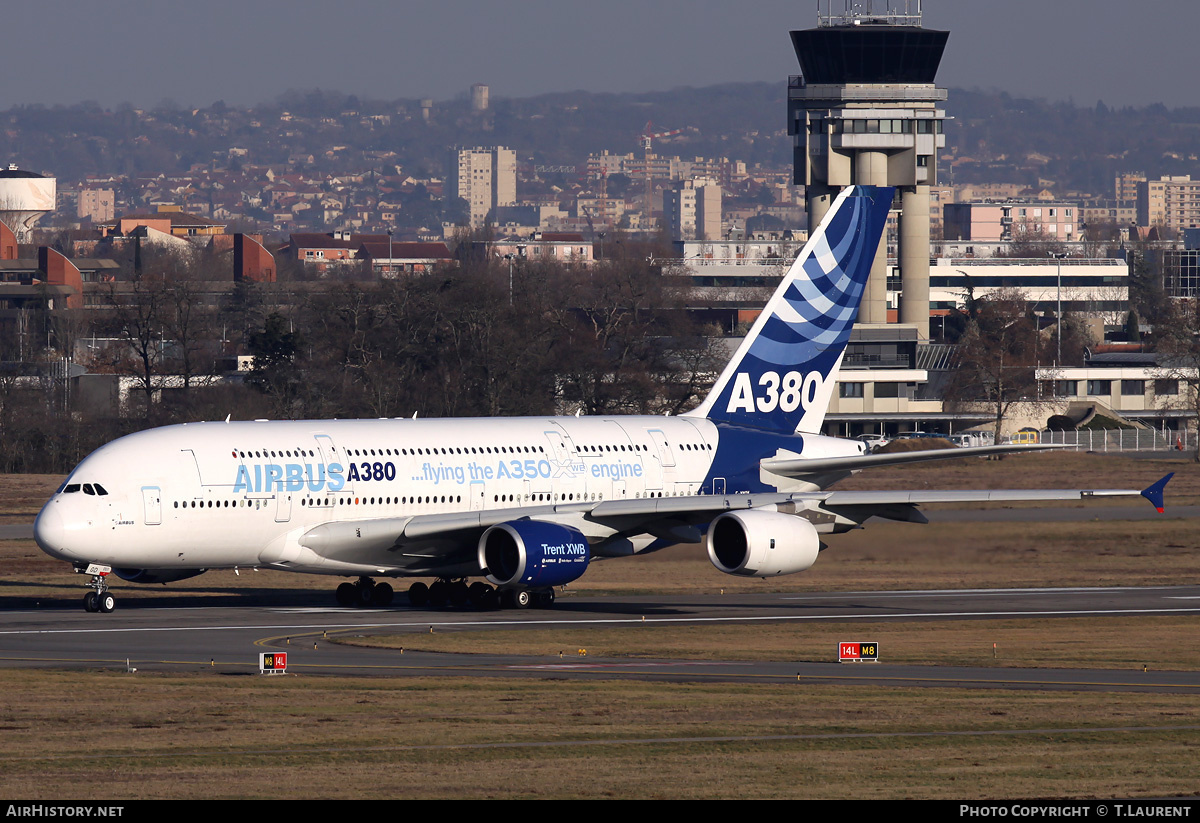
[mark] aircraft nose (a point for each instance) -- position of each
(50, 532)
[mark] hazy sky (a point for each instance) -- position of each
(250, 51)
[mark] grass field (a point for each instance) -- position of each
(201, 736)
(102, 734)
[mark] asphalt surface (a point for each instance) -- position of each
(181, 635)
(227, 632)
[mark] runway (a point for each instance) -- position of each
(184, 636)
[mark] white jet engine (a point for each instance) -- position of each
(754, 543)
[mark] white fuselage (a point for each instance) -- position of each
(222, 495)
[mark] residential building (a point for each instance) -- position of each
(170, 220)
(562, 247)
(1126, 187)
(992, 222)
(338, 248)
(1172, 202)
(692, 209)
(99, 205)
(485, 178)
(391, 260)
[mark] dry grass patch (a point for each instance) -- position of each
(23, 495)
(210, 736)
(1107, 643)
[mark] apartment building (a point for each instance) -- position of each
(1173, 202)
(993, 222)
(692, 209)
(485, 178)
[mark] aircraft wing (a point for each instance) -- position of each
(800, 467)
(444, 544)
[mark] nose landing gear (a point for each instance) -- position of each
(100, 600)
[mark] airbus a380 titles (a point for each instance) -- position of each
(523, 503)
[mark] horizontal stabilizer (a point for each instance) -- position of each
(1154, 493)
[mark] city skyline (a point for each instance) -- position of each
(246, 54)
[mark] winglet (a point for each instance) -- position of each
(1155, 493)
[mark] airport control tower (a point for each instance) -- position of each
(865, 111)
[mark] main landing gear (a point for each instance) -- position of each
(478, 595)
(524, 599)
(458, 594)
(364, 592)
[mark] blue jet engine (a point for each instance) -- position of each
(533, 554)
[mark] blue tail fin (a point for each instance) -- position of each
(781, 377)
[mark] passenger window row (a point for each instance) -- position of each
(641, 448)
(261, 453)
(380, 501)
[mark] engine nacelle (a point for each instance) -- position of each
(531, 553)
(157, 575)
(755, 543)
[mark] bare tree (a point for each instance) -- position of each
(1179, 344)
(189, 322)
(138, 312)
(1031, 240)
(997, 357)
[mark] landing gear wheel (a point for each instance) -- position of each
(364, 592)
(98, 599)
(544, 600)
(516, 598)
(479, 595)
(458, 594)
(346, 595)
(438, 594)
(418, 594)
(381, 595)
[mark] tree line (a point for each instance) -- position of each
(613, 338)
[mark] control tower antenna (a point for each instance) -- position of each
(865, 110)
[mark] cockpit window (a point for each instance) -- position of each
(87, 489)
(99, 489)
(70, 488)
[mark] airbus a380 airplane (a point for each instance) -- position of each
(526, 503)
